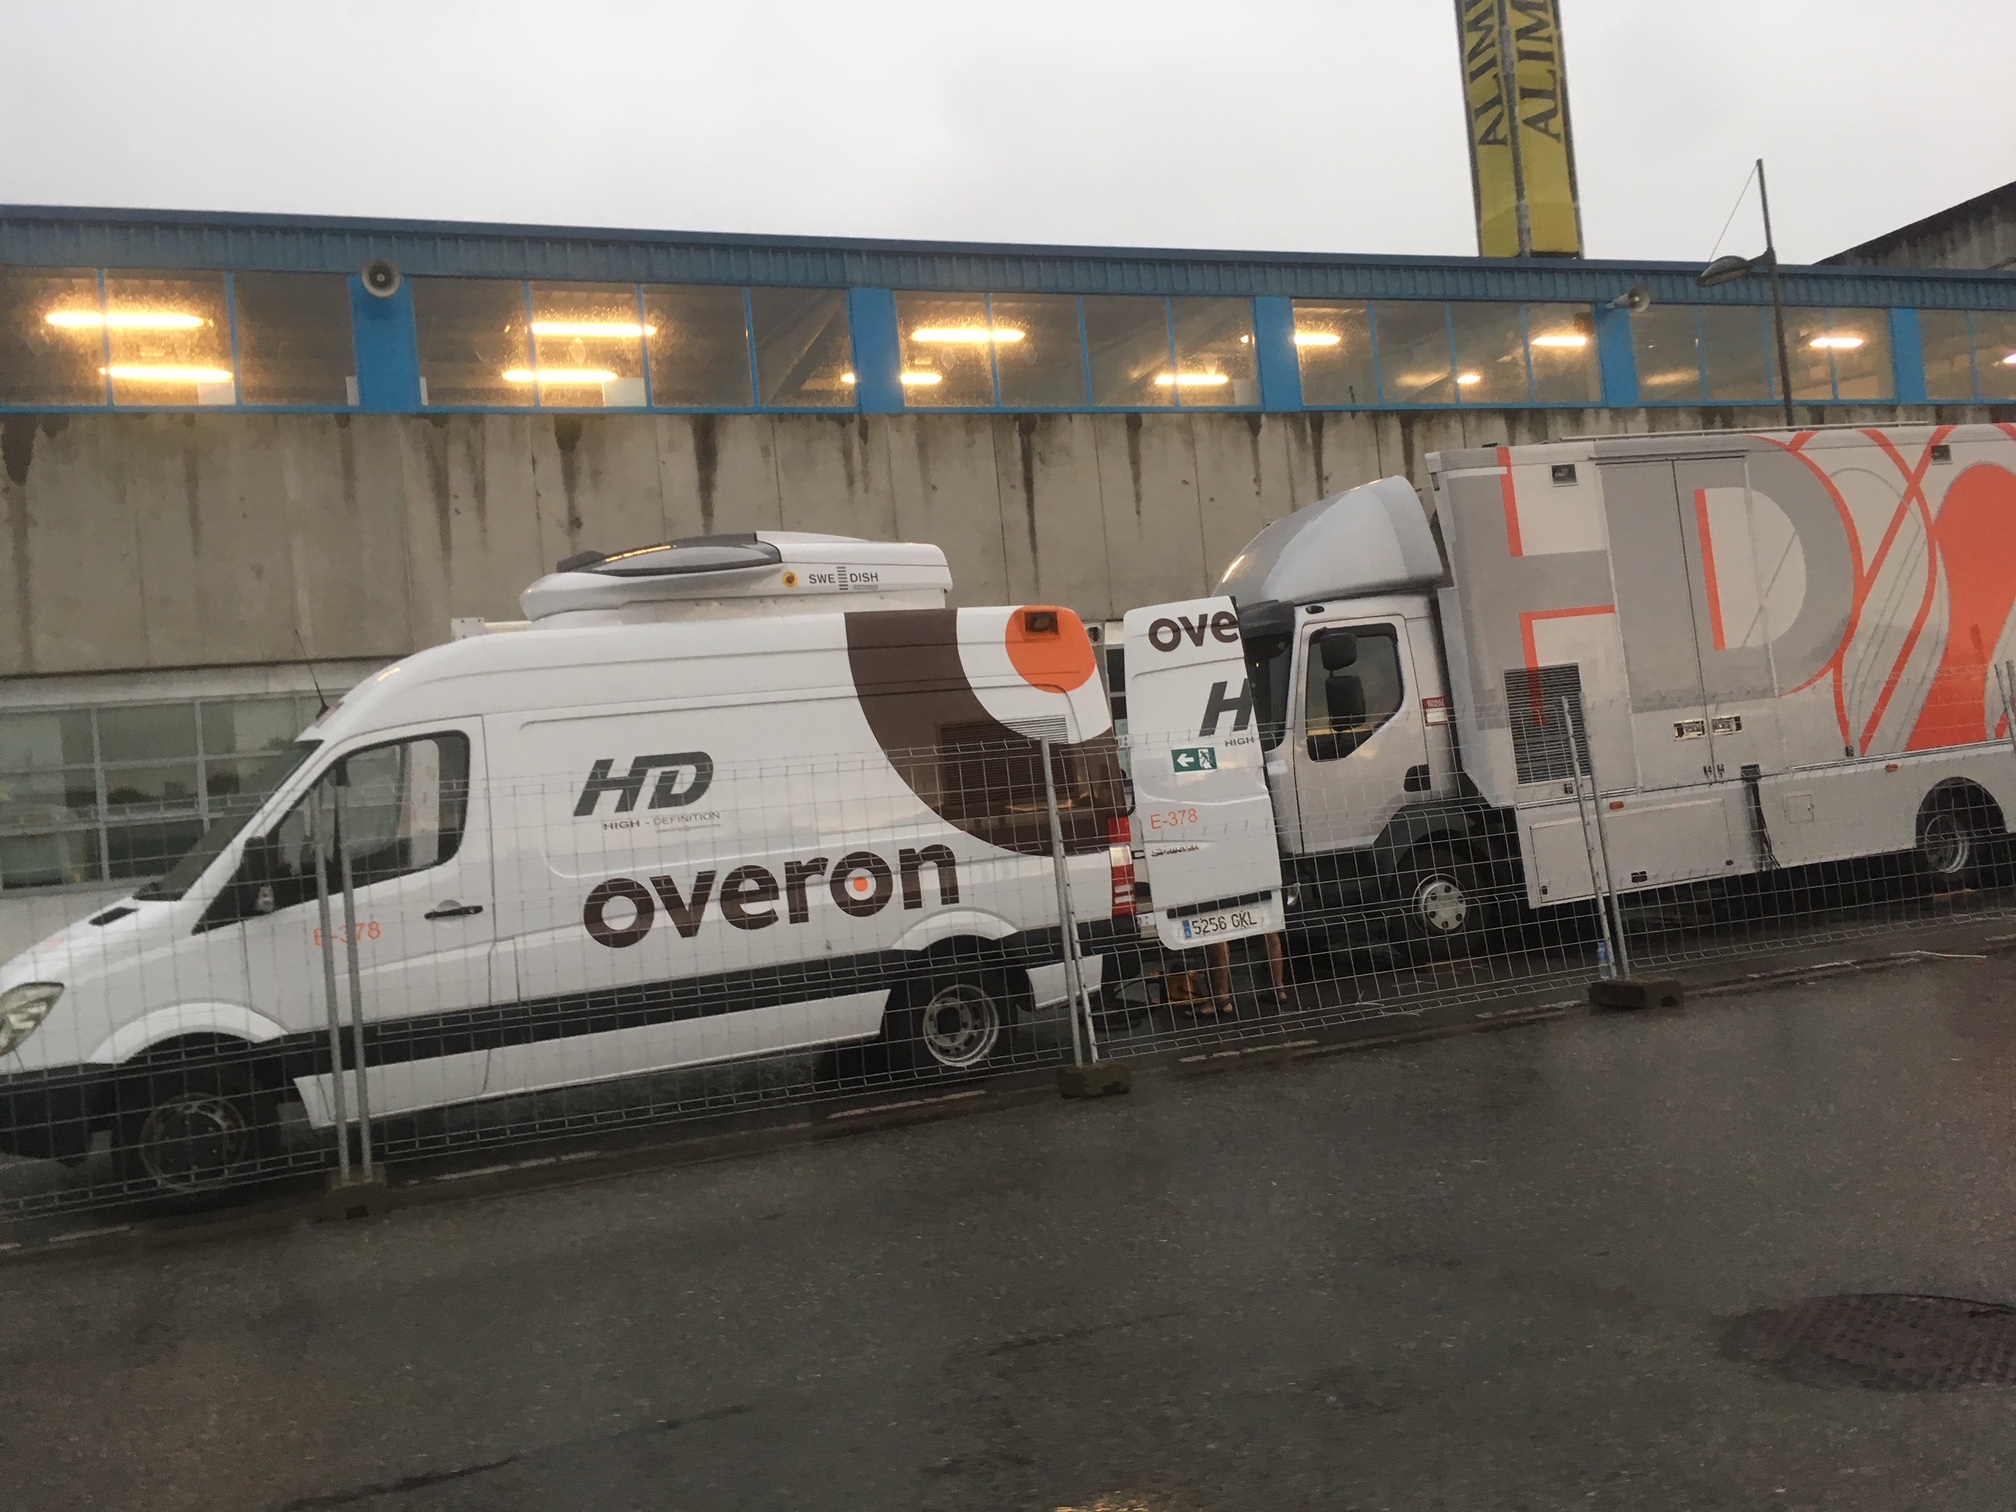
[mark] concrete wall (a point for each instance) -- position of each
(172, 540)
(1978, 233)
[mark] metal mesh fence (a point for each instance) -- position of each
(431, 955)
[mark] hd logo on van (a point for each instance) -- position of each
(861, 884)
(675, 788)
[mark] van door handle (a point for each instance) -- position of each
(453, 910)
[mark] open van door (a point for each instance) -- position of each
(1206, 822)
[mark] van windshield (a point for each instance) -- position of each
(182, 876)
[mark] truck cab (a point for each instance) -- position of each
(1345, 657)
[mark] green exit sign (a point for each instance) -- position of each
(1194, 758)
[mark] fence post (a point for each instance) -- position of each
(1600, 886)
(319, 818)
(2005, 680)
(1072, 984)
(356, 976)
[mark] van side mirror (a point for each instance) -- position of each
(1339, 650)
(1344, 699)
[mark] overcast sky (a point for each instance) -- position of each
(1294, 125)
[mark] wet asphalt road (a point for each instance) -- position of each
(1486, 1272)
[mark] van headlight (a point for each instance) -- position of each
(22, 1010)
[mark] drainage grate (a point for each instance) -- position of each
(1890, 1341)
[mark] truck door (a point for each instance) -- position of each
(1200, 789)
(1359, 746)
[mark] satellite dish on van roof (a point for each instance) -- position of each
(754, 573)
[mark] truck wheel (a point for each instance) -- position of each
(948, 1024)
(189, 1131)
(1443, 908)
(1952, 849)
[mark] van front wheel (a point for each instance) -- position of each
(188, 1132)
(948, 1024)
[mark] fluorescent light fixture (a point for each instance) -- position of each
(922, 380)
(1317, 338)
(846, 377)
(558, 377)
(1835, 343)
(2010, 360)
(1466, 379)
(148, 374)
(1563, 339)
(628, 328)
(124, 320)
(1191, 380)
(967, 335)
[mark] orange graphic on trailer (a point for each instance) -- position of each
(1802, 596)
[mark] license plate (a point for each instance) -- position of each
(1227, 921)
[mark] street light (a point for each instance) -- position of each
(1729, 269)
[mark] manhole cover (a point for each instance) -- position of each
(1891, 1341)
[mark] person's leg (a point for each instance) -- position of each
(1277, 968)
(1219, 954)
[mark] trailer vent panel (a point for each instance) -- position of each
(1540, 745)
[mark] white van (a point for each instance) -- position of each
(722, 797)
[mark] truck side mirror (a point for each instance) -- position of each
(1344, 699)
(1339, 650)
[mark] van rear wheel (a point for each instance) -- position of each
(948, 1024)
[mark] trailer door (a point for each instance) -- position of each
(1200, 789)
(1656, 593)
(1740, 558)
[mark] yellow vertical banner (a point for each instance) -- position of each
(1493, 183)
(1531, 166)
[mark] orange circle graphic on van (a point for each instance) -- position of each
(1049, 648)
(790, 580)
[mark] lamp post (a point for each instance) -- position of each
(1729, 269)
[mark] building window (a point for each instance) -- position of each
(587, 345)
(1839, 354)
(1948, 348)
(294, 338)
(1668, 354)
(1561, 351)
(1690, 353)
(1994, 341)
(1968, 354)
(1127, 349)
(474, 345)
(948, 344)
(52, 337)
(1414, 365)
(167, 339)
(804, 354)
(120, 791)
(1333, 347)
(1046, 368)
(1490, 354)
(1215, 362)
(697, 337)
(1736, 352)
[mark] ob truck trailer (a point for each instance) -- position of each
(1770, 649)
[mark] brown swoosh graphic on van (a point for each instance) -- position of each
(975, 773)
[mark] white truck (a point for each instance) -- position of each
(1773, 649)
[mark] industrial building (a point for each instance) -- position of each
(237, 470)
